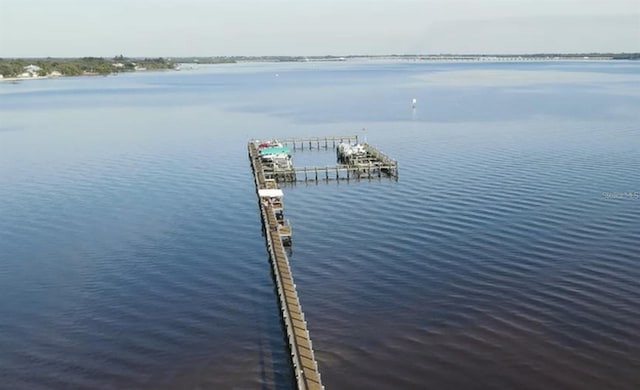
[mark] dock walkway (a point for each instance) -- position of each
(271, 164)
(303, 359)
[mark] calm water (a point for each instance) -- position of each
(131, 255)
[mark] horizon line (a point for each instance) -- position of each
(595, 53)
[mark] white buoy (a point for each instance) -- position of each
(413, 102)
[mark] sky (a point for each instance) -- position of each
(171, 28)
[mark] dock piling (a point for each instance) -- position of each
(367, 163)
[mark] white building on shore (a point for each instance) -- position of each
(31, 71)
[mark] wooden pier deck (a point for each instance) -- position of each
(303, 359)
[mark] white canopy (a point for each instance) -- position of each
(270, 193)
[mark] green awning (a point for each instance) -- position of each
(274, 150)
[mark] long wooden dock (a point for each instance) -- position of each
(303, 359)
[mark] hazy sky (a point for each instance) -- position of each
(314, 27)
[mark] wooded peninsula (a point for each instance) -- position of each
(51, 67)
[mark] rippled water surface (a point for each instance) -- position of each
(506, 256)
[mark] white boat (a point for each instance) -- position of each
(347, 151)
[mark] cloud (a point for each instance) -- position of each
(536, 34)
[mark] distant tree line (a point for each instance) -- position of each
(13, 67)
(627, 56)
(234, 59)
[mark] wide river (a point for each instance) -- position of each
(506, 255)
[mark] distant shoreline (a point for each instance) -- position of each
(8, 79)
(412, 57)
(27, 78)
(184, 63)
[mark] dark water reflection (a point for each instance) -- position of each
(131, 255)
